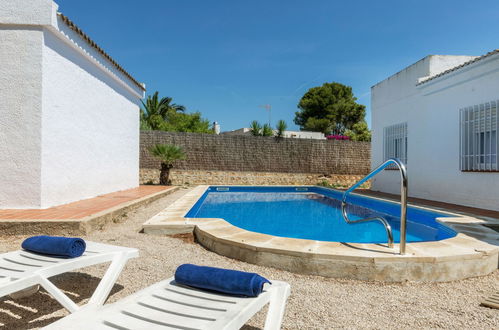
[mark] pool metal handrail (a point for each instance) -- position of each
(403, 202)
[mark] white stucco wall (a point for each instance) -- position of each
(69, 128)
(304, 135)
(287, 134)
(432, 113)
(90, 128)
(28, 12)
(20, 116)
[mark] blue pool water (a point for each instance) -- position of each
(314, 213)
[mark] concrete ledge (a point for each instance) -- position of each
(171, 221)
(473, 252)
(368, 267)
(81, 226)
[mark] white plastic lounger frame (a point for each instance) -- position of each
(21, 269)
(166, 305)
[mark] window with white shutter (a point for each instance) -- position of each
(395, 142)
(479, 140)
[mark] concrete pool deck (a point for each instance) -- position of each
(473, 252)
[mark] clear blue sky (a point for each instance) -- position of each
(225, 58)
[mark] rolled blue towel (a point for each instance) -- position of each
(71, 247)
(221, 280)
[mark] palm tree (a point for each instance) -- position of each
(155, 110)
(281, 127)
(256, 128)
(168, 154)
(267, 130)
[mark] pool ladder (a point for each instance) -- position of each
(403, 203)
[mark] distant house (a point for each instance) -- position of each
(287, 134)
(69, 128)
(440, 115)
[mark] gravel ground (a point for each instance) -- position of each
(315, 302)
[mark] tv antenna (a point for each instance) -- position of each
(267, 107)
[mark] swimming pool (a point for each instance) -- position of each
(314, 213)
(281, 233)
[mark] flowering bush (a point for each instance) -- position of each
(337, 137)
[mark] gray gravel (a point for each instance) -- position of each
(315, 302)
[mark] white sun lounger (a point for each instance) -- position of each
(21, 269)
(166, 305)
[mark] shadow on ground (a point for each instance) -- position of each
(41, 309)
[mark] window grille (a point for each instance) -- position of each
(395, 142)
(479, 140)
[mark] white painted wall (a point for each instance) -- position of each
(304, 135)
(240, 131)
(69, 128)
(90, 128)
(20, 116)
(28, 12)
(286, 134)
(432, 113)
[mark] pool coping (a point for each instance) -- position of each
(474, 251)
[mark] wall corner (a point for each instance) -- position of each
(28, 12)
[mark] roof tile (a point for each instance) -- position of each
(85, 37)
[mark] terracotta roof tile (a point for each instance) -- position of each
(85, 37)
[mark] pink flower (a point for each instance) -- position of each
(337, 137)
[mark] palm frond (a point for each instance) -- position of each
(167, 153)
(267, 130)
(156, 110)
(281, 127)
(256, 128)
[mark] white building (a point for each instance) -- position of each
(239, 131)
(286, 134)
(216, 128)
(69, 124)
(440, 115)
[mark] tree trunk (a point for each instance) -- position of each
(164, 175)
